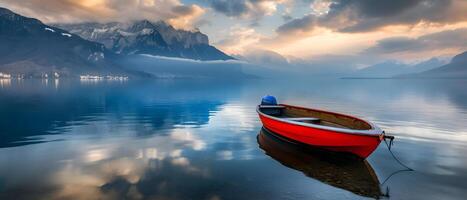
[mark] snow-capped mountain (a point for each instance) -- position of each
(145, 37)
(31, 48)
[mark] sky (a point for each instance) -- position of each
(359, 32)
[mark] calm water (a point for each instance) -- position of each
(188, 139)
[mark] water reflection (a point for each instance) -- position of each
(36, 109)
(5, 82)
(195, 139)
(337, 170)
(159, 166)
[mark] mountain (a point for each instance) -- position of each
(145, 37)
(382, 70)
(393, 68)
(457, 68)
(426, 65)
(31, 48)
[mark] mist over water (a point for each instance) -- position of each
(199, 139)
(169, 67)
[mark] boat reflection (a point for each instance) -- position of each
(354, 175)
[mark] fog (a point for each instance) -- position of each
(165, 67)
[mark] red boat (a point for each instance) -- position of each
(322, 129)
(331, 168)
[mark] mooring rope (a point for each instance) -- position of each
(391, 139)
(407, 168)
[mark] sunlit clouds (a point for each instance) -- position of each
(358, 28)
(304, 29)
(69, 11)
(253, 9)
(240, 39)
(320, 7)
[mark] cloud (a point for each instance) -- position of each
(186, 16)
(230, 8)
(239, 40)
(264, 58)
(252, 9)
(332, 64)
(450, 39)
(287, 17)
(369, 15)
(328, 65)
(304, 24)
(193, 61)
(63, 11)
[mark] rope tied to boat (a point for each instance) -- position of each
(391, 143)
(391, 140)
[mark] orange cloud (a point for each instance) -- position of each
(70, 11)
(239, 40)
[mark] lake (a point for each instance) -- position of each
(202, 139)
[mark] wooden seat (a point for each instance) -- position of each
(304, 119)
(271, 106)
(274, 110)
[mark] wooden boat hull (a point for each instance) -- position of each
(332, 139)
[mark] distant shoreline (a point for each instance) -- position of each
(418, 78)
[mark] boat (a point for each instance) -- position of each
(354, 175)
(323, 129)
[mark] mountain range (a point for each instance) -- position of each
(146, 37)
(31, 48)
(393, 68)
(457, 68)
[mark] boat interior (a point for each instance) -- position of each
(312, 116)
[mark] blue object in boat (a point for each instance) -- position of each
(269, 100)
